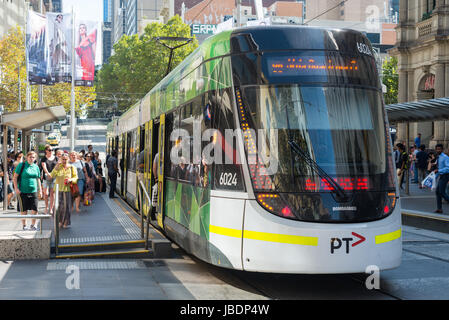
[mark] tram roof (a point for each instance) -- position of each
(422, 110)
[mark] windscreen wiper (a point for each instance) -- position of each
(342, 196)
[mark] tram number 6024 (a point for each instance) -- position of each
(228, 179)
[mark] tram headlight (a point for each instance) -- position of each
(390, 203)
(273, 203)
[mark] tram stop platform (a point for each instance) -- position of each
(418, 210)
(108, 228)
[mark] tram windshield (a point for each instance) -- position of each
(340, 128)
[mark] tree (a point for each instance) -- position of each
(139, 63)
(12, 55)
(390, 80)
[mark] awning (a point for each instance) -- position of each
(30, 119)
(423, 110)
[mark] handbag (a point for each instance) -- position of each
(74, 190)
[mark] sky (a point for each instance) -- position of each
(84, 9)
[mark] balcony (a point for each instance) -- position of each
(426, 27)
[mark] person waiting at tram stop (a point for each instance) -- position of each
(442, 177)
(113, 172)
(9, 186)
(421, 164)
(65, 174)
(28, 188)
(48, 163)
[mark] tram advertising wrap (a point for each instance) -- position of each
(301, 177)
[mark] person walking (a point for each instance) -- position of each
(64, 174)
(82, 174)
(402, 165)
(418, 140)
(421, 164)
(442, 177)
(112, 165)
(28, 188)
(48, 163)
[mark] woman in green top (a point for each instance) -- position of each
(28, 187)
(65, 174)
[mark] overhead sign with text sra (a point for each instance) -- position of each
(203, 28)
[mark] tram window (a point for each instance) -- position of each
(132, 140)
(141, 155)
(227, 174)
(172, 124)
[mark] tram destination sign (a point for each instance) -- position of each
(203, 28)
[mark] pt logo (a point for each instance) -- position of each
(336, 243)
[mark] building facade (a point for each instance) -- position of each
(12, 13)
(422, 50)
(131, 16)
(377, 11)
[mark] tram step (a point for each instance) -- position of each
(132, 253)
(100, 246)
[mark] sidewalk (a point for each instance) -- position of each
(418, 209)
(102, 226)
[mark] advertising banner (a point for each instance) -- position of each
(49, 48)
(59, 27)
(37, 49)
(88, 51)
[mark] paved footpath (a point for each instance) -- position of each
(176, 278)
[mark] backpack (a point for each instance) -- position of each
(407, 163)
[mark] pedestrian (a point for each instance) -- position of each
(432, 162)
(65, 174)
(81, 182)
(91, 174)
(414, 167)
(99, 170)
(48, 163)
(58, 155)
(7, 179)
(396, 155)
(442, 177)
(113, 172)
(28, 188)
(418, 140)
(421, 164)
(403, 163)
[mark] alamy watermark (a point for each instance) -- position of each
(373, 280)
(208, 147)
(73, 280)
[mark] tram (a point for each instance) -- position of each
(286, 159)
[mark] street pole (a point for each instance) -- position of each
(5, 167)
(20, 96)
(72, 105)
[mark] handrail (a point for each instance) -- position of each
(23, 216)
(142, 186)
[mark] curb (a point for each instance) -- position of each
(425, 220)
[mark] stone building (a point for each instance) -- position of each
(422, 49)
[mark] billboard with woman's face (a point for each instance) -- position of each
(87, 47)
(59, 26)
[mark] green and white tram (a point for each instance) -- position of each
(274, 153)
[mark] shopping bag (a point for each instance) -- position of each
(154, 196)
(429, 181)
